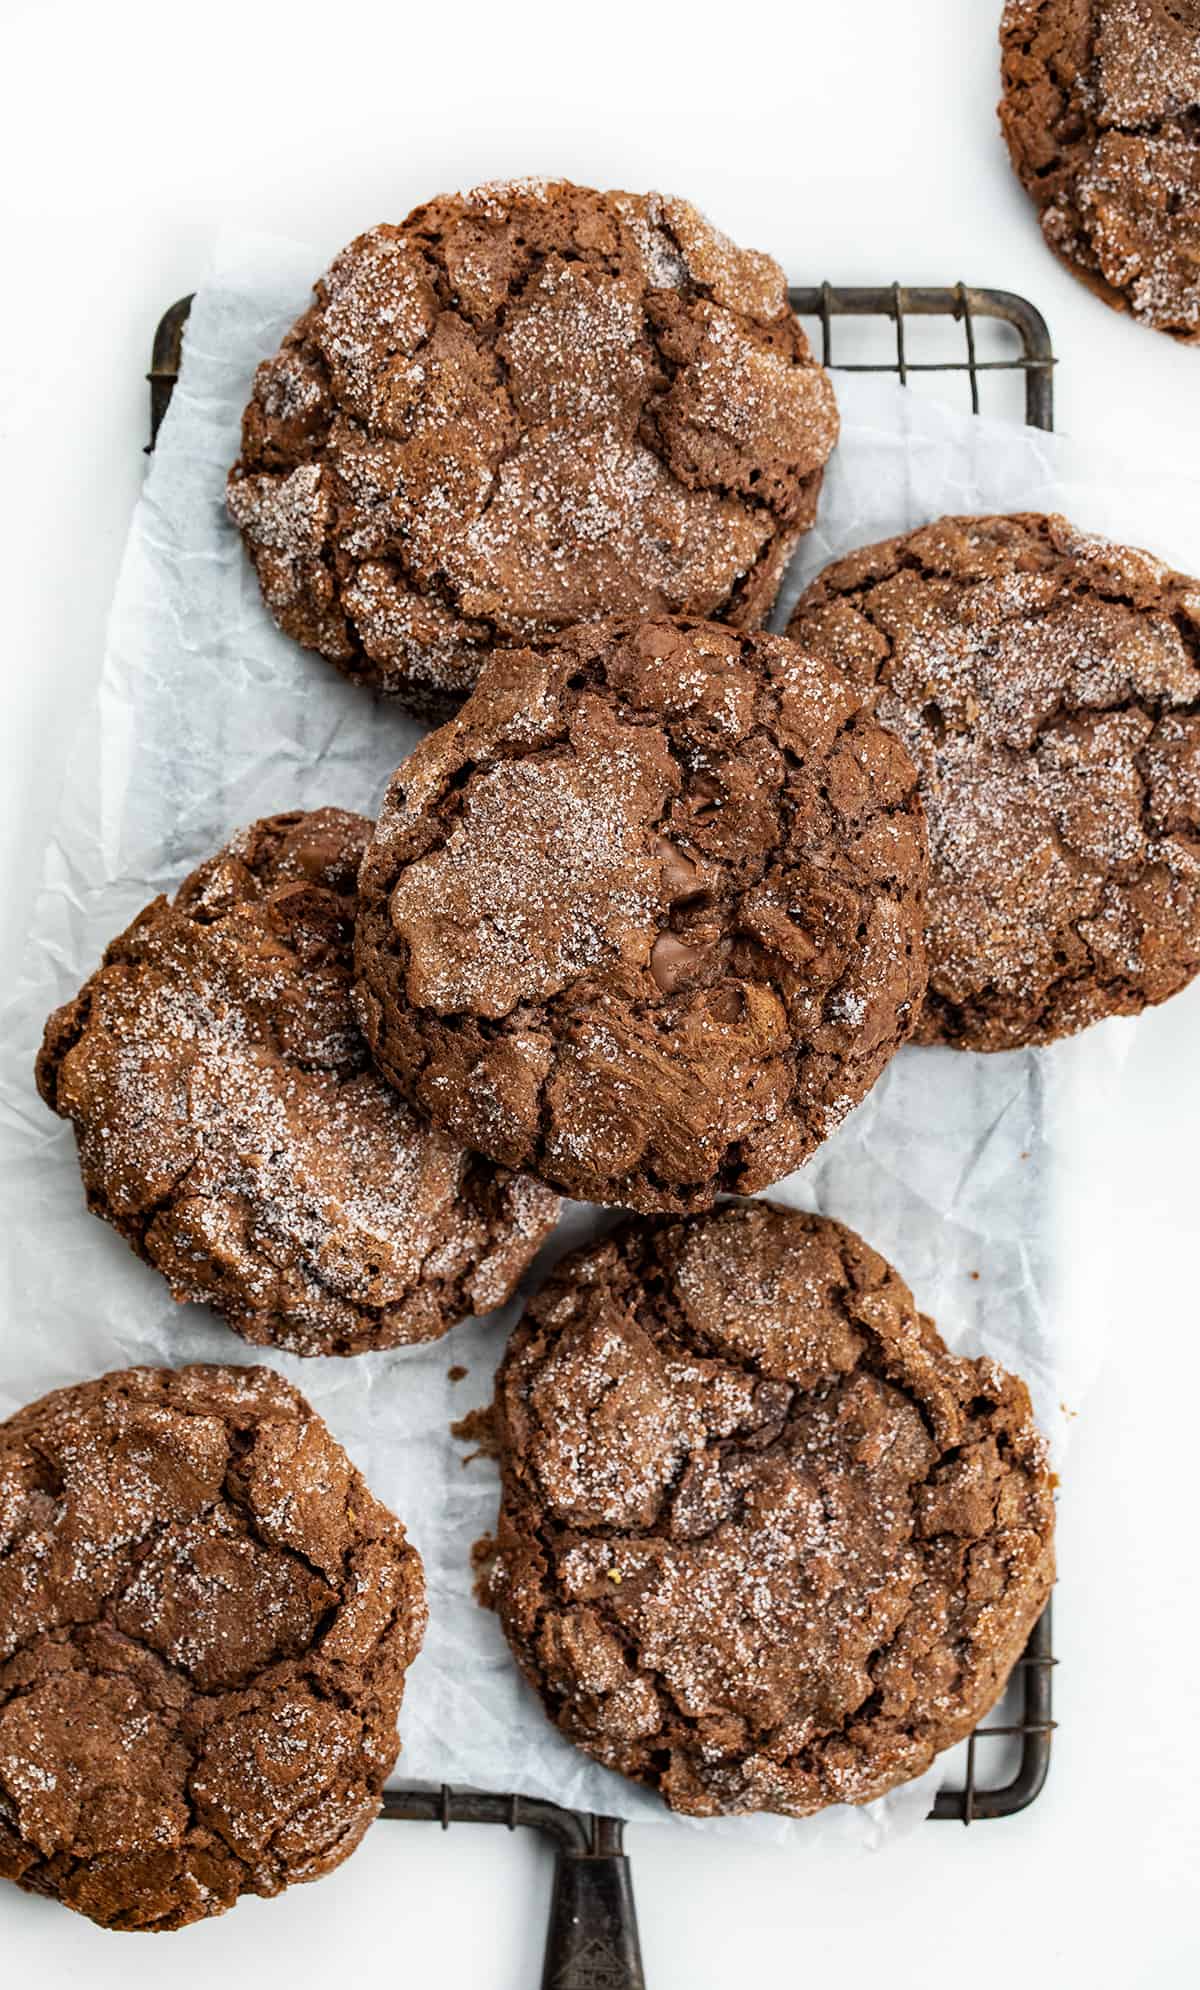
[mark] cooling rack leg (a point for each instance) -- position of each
(592, 1939)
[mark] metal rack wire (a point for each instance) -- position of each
(592, 1941)
(894, 303)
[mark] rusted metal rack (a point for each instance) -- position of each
(592, 1941)
(892, 305)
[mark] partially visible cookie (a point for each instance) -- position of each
(230, 1127)
(205, 1625)
(524, 407)
(645, 917)
(1101, 112)
(763, 1543)
(1047, 686)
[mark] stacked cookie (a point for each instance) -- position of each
(644, 917)
(231, 1127)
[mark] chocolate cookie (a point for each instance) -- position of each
(230, 1127)
(1047, 685)
(763, 1543)
(527, 406)
(205, 1623)
(645, 918)
(1101, 111)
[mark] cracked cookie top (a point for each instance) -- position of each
(1047, 686)
(1101, 112)
(230, 1127)
(205, 1624)
(763, 1543)
(645, 917)
(527, 406)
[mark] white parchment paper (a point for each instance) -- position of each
(964, 1170)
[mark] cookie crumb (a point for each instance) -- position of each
(478, 1427)
(483, 1562)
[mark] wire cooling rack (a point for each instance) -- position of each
(1002, 336)
(988, 341)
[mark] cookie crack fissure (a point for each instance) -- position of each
(571, 1014)
(184, 1855)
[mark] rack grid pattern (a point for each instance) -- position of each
(592, 1941)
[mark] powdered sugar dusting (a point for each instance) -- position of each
(1103, 121)
(511, 431)
(668, 862)
(187, 1711)
(776, 1546)
(1035, 674)
(228, 1124)
(550, 870)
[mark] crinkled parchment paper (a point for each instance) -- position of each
(206, 717)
